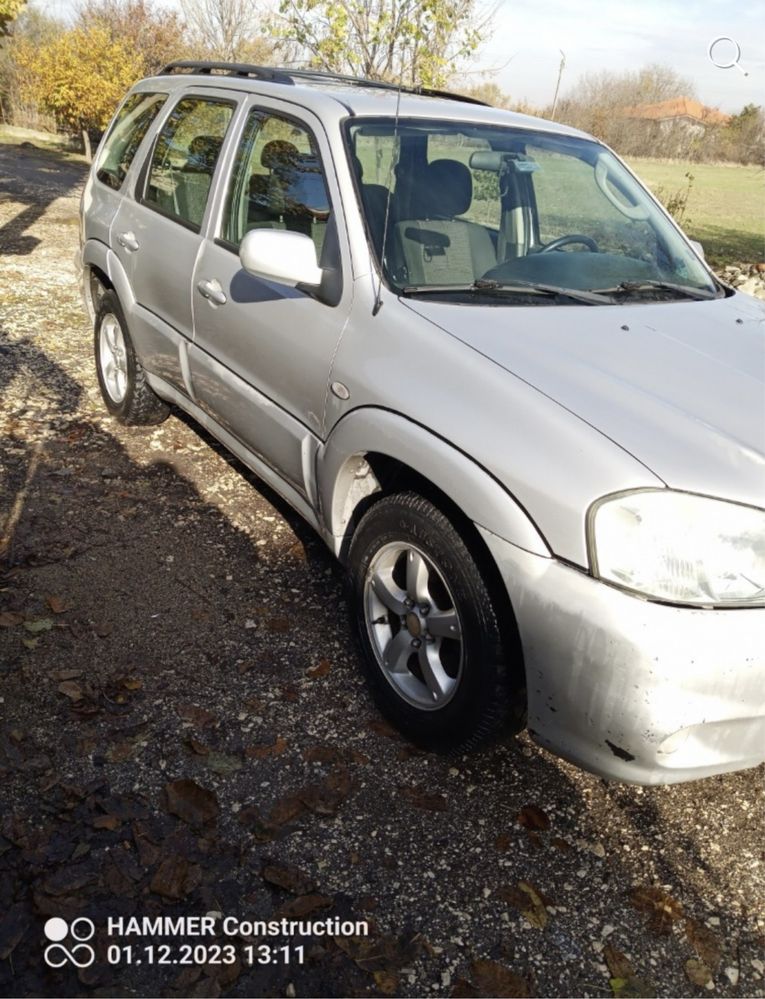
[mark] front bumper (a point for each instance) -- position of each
(630, 689)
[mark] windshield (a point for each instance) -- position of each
(493, 212)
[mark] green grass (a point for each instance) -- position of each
(47, 143)
(725, 210)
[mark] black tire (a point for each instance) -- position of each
(138, 404)
(486, 693)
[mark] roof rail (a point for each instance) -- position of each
(361, 81)
(268, 73)
(281, 75)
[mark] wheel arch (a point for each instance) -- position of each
(104, 268)
(372, 452)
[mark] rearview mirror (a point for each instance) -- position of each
(279, 255)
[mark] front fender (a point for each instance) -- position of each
(342, 477)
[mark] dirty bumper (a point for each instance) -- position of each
(630, 689)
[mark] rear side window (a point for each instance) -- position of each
(125, 136)
(184, 158)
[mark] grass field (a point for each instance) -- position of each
(726, 207)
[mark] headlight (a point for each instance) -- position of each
(679, 547)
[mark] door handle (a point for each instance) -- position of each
(128, 240)
(212, 291)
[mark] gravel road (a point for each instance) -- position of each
(183, 730)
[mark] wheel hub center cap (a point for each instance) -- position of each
(413, 625)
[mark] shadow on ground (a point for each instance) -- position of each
(184, 731)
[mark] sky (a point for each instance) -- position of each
(527, 36)
(609, 35)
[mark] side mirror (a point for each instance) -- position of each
(279, 255)
(697, 247)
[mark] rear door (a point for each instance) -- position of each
(156, 235)
(262, 350)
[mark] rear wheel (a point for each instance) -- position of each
(122, 380)
(428, 626)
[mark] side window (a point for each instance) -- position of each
(125, 136)
(278, 182)
(184, 158)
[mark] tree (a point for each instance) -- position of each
(230, 30)
(79, 78)
(414, 42)
(598, 101)
(745, 135)
(157, 34)
(9, 11)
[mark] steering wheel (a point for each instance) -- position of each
(556, 244)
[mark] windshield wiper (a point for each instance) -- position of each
(632, 287)
(491, 286)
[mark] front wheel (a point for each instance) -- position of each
(428, 627)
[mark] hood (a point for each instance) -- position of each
(679, 385)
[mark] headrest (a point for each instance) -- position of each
(203, 151)
(443, 190)
(278, 154)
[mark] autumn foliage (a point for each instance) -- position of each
(79, 77)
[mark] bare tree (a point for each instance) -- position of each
(229, 30)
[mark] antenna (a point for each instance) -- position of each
(378, 300)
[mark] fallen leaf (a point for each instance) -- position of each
(278, 625)
(289, 878)
(326, 797)
(463, 989)
(303, 905)
(503, 842)
(532, 817)
(195, 715)
(386, 982)
(618, 965)
(106, 822)
(705, 943)
(223, 763)
(698, 973)
(286, 809)
(560, 844)
(57, 605)
(175, 877)
(9, 619)
(125, 749)
(662, 910)
(38, 625)
(196, 746)
(30, 643)
(429, 801)
(71, 690)
(323, 667)
(494, 979)
(14, 923)
(190, 802)
(265, 750)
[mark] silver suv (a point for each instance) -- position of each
(485, 365)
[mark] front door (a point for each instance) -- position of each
(262, 350)
(157, 235)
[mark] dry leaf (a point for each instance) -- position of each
(190, 802)
(9, 619)
(56, 604)
(698, 973)
(427, 800)
(38, 625)
(320, 670)
(660, 907)
(195, 715)
(265, 750)
(71, 690)
(532, 817)
(494, 979)
(175, 877)
(705, 943)
(289, 878)
(303, 905)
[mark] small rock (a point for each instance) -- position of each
(731, 974)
